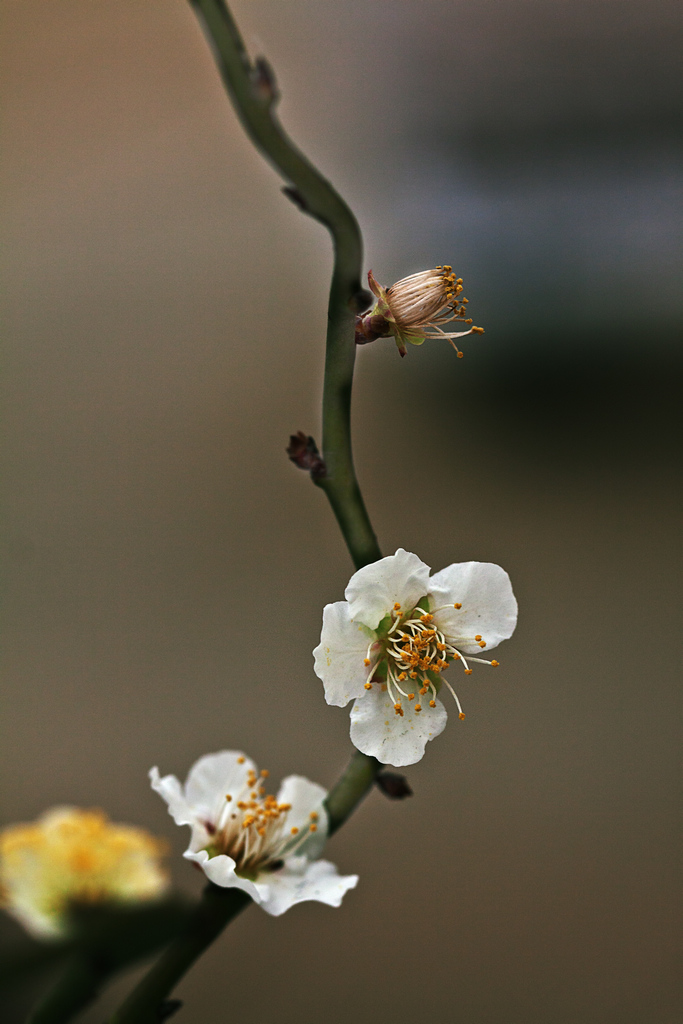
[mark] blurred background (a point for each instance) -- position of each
(164, 309)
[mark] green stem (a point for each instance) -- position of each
(214, 911)
(352, 787)
(253, 94)
(76, 989)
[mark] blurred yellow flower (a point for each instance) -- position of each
(72, 855)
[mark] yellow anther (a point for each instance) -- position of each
(293, 831)
(313, 828)
(366, 661)
(413, 675)
(401, 677)
(426, 617)
(249, 820)
(495, 664)
(418, 707)
(411, 696)
(441, 647)
(240, 760)
(468, 671)
(423, 690)
(456, 656)
(477, 330)
(482, 643)
(460, 355)
(314, 815)
(478, 636)
(461, 716)
(457, 605)
(397, 607)
(261, 831)
(368, 686)
(228, 797)
(432, 703)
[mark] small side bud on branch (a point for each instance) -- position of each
(263, 82)
(393, 785)
(361, 301)
(304, 453)
(296, 197)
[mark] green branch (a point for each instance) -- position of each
(213, 912)
(253, 92)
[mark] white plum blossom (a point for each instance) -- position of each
(386, 646)
(244, 837)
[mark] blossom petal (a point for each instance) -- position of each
(402, 578)
(170, 789)
(306, 798)
(298, 881)
(489, 607)
(377, 730)
(339, 657)
(221, 871)
(212, 777)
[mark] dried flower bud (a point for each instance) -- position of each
(416, 308)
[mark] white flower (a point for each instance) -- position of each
(388, 643)
(70, 855)
(416, 308)
(243, 837)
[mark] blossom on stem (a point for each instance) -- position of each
(416, 308)
(243, 837)
(74, 856)
(386, 646)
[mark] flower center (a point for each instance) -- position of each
(415, 651)
(252, 828)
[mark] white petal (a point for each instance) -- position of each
(339, 657)
(171, 791)
(489, 607)
(221, 871)
(373, 591)
(298, 881)
(212, 777)
(377, 730)
(306, 798)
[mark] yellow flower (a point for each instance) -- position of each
(71, 855)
